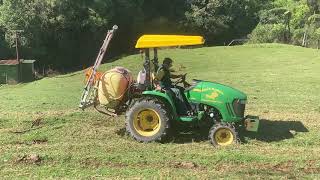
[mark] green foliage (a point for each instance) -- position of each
(268, 33)
(300, 15)
(301, 18)
(314, 6)
(273, 16)
(317, 34)
(314, 20)
(298, 36)
(63, 32)
(222, 20)
(5, 50)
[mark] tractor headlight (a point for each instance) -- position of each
(239, 106)
(243, 101)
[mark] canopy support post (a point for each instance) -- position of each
(155, 60)
(147, 68)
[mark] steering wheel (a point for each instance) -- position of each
(182, 80)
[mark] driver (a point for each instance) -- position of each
(163, 81)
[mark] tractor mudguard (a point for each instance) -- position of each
(163, 96)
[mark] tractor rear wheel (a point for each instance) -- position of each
(147, 120)
(222, 134)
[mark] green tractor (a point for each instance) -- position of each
(151, 113)
(150, 117)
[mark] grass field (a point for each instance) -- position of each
(283, 85)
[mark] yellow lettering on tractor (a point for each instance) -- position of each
(213, 95)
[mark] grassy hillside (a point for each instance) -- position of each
(282, 83)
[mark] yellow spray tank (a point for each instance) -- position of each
(112, 86)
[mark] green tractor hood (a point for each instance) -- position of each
(229, 101)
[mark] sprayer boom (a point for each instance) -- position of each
(87, 91)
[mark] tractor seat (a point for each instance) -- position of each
(195, 81)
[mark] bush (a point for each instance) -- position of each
(298, 36)
(268, 33)
(313, 36)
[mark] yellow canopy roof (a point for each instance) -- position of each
(152, 41)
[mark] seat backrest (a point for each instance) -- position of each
(141, 78)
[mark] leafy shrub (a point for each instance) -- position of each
(268, 33)
(298, 36)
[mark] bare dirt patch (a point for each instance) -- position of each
(95, 163)
(185, 165)
(29, 159)
(35, 124)
(88, 162)
(311, 167)
(284, 167)
(33, 142)
(39, 141)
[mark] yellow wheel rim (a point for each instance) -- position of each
(147, 122)
(224, 137)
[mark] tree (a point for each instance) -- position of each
(314, 6)
(222, 20)
(297, 16)
(68, 33)
(310, 34)
(268, 33)
(4, 47)
(54, 30)
(317, 34)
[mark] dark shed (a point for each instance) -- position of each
(10, 73)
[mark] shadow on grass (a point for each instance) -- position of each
(121, 132)
(180, 135)
(269, 131)
(189, 134)
(275, 130)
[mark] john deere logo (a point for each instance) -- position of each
(213, 95)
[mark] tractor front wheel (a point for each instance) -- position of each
(223, 135)
(147, 120)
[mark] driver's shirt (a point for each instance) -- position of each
(163, 76)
